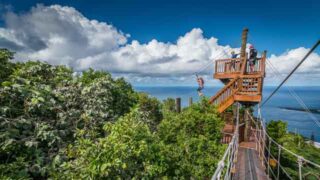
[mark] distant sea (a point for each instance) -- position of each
(282, 106)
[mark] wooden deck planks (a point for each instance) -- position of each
(248, 166)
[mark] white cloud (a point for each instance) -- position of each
(190, 53)
(307, 74)
(62, 35)
(59, 35)
(288, 60)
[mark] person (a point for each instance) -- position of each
(252, 57)
(201, 85)
(233, 62)
(233, 55)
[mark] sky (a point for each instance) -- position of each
(162, 42)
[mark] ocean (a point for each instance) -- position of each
(282, 106)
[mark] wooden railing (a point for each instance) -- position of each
(228, 65)
(240, 86)
(225, 93)
(226, 138)
(258, 67)
(250, 85)
(233, 66)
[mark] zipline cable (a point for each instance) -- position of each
(222, 53)
(295, 95)
(282, 147)
(288, 76)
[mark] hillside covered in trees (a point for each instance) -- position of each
(278, 130)
(54, 124)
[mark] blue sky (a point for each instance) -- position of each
(276, 25)
(281, 27)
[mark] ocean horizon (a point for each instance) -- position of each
(282, 106)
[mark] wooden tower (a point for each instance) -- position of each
(241, 84)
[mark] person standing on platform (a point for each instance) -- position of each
(233, 62)
(252, 57)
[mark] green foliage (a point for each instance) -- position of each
(44, 107)
(277, 130)
(14, 170)
(57, 125)
(6, 67)
(295, 143)
(129, 150)
(193, 140)
(152, 108)
(37, 72)
(90, 75)
(169, 106)
(185, 146)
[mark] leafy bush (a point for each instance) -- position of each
(169, 106)
(43, 108)
(6, 66)
(185, 146)
(193, 141)
(54, 124)
(129, 150)
(295, 143)
(152, 109)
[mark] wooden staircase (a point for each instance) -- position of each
(241, 84)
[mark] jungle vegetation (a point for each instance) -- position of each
(297, 144)
(55, 124)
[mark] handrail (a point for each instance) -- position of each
(228, 59)
(224, 89)
(230, 153)
(240, 66)
(229, 156)
(232, 65)
(262, 140)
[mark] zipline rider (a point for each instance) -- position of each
(201, 85)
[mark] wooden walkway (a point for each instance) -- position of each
(248, 166)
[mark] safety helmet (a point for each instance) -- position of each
(232, 52)
(251, 46)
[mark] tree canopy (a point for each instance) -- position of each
(55, 124)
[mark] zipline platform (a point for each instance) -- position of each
(243, 80)
(248, 166)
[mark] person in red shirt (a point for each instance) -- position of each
(201, 85)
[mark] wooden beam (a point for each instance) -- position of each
(244, 42)
(247, 98)
(190, 101)
(243, 55)
(178, 105)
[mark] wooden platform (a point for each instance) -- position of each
(249, 166)
(243, 83)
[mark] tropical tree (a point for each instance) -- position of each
(129, 150)
(6, 67)
(193, 141)
(44, 107)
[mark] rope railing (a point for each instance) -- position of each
(227, 164)
(274, 159)
(270, 152)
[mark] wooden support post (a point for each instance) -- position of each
(243, 49)
(178, 105)
(190, 101)
(263, 63)
(246, 124)
(244, 42)
(234, 121)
